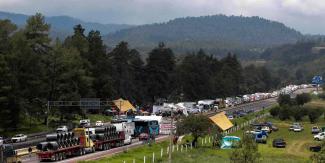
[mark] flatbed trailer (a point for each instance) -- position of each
(61, 154)
(110, 143)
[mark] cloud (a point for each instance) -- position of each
(304, 15)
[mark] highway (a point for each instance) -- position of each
(255, 106)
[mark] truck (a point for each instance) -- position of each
(127, 128)
(151, 127)
(81, 141)
(9, 154)
(56, 148)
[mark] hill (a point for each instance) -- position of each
(297, 62)
(62, 26)
(216, 33)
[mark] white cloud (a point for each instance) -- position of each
(301, 14)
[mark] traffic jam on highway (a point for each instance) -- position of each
(89, 137)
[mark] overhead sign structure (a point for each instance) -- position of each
(317, 80)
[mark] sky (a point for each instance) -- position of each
(307, 16)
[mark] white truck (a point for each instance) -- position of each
(128, 128)
(319, 136)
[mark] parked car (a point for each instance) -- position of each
(319, 136)
(1, 141)
(85, 122)
(315, 130)
(266, 129)
(297, 128)
(274, 128)
(315, 148)
(230, 117)
(99, 123)
(62, 129)
(143, 136)
(19, 138)
(279, 143)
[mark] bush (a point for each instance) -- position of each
(314, 114)
(275, 111)
(285, 113)
(284, 99)
(301, 99)
(297, 113)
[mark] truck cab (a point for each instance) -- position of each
(9, 154)
(85, 140)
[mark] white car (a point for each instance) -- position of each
(85, 122)
(19, 138)
(99, 123)
(230, 117)
(1, 141)
(62, 129)
(320, 136)
(297, 128)
(266, 129)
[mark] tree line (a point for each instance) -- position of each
(35, 69)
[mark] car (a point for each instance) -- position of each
(19, 138)
(230, 117)
(62, 129)
(143, 136)
(279, 143)
(99, 123)
(266, 129)
(319, 136)
(85, 122)
(1, 141)
(298, 128)
(315, 130)
(315, 148)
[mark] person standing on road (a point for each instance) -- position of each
(30, 151)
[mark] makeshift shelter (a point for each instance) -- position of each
(123, 105)
(229, 142)
(221, 121)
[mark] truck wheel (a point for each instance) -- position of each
(56, 157)
(80, 152)
(83, 151)
(60, 156)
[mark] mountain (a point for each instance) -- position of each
(297, 62)
(216, 33)
(62, 26)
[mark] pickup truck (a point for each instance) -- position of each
(319, 136)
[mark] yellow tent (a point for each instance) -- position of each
(123, 105)
(221, 121)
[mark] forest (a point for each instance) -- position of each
(35, 69)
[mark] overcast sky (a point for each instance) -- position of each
(307, 16)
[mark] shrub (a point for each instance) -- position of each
(285, 113)
(297, 112)
(275, 111)
(301, 99)
(314, 114)
(284, 99)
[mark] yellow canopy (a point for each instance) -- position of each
(221, 121)
(123, 105)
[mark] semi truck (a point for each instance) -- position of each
(127, 128)
(9, 154)
(78, 143)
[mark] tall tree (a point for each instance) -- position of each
(159, 69)
(101, 67)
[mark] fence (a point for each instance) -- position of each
(245, 124)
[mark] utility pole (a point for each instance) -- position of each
(171, 136)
